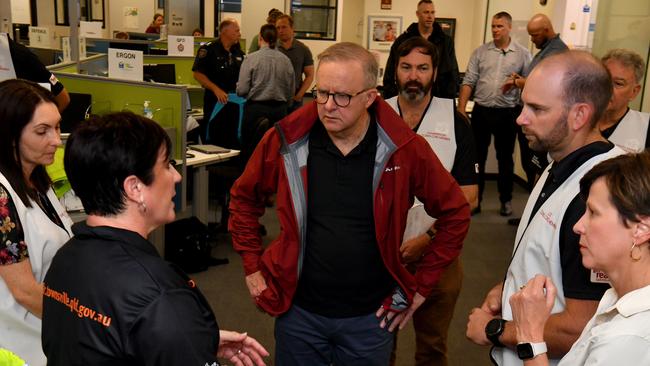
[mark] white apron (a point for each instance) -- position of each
(437, 128)
(7, 70)
(537, 248)
(631, 132)
(20, 330)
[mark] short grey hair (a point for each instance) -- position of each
(226, 23)
(629, 59)
(348, 51)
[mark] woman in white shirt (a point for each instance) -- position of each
(33, 225)
(614, 243)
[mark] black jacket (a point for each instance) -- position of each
(110, 299)
(448, 79)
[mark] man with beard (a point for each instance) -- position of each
(621, 125)
(447, 78)
(450, 137)
(549, 43)
(564, 98)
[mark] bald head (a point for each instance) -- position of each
(584, 80)
(540, 30)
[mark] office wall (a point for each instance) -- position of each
(352, 22)
(253, 16)
(115, 11)
(469, 15)
(521, 12)
(625, 24)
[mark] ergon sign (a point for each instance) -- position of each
(125, 64)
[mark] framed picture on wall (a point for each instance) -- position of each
(448, 26)
(382, 31)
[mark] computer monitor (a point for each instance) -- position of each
(130, 46)
(76, 111)
(160, 73)
(158, 51)
(143, 36)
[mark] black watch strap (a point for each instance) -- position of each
(494, 329)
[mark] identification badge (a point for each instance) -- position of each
(599, 277)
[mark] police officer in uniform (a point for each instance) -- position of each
(17, 61)
(216, 68)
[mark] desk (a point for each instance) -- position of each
(199, 164)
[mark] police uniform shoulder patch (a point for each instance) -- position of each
(202, 53)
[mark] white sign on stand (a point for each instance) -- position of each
(82, 48)
(125, 64)
(65, 47)
(180, 46)
(90, 29)
(39, 37)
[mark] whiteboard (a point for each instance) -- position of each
(20, 12)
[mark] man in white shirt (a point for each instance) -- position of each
(621, 125)
(564, 98)
(494, 110)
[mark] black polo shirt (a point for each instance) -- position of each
(110, 299)
(343, 274)
(221, 66)
(29, 67)
(576, 280)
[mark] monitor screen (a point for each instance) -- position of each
(160, 73)
(143, 36)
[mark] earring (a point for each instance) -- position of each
(632, 256)
(142, 205)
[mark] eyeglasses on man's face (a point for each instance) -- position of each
(340, 99)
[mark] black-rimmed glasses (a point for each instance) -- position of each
(340, 99)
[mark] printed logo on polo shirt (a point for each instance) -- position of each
(548, 217)
(75, 307)
(437, 135)
(53, 79)
(393, 168)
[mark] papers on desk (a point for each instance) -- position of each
(209, 149)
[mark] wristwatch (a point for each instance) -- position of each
(526, 351)
(494, 329)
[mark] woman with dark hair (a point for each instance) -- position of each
(266, 81)
(33, 225)
(157, 21)
(615, 246)
(109, 298)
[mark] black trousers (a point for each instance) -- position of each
(259, 116)
(500, 123)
